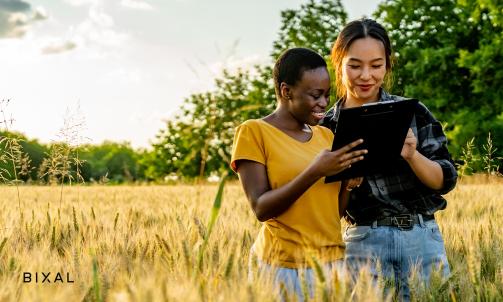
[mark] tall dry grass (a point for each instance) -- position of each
(141, 243)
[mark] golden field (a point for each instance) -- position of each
(142, 243)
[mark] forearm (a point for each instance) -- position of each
(268, 203)
(343, 198)
(429, 172)
(274, 202)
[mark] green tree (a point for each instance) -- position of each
(199, 141)
(449, 55)
(315, 25)
(117, 162)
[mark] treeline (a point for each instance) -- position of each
(27, 160)
(448, 54)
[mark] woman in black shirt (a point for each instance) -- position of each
(391, 211)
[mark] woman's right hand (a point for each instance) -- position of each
(329, 163)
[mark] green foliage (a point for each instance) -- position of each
(36, 153)
(468, 159)
(450, 56)
(211, 222)
(60, 163)
(199, 140)
(18, 157)
(117, 162)
(491, 165)
(474, 159)
(315, 25)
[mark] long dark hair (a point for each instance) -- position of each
(355, 30)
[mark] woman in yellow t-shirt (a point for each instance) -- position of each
(281, 161)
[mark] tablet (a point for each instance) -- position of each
(383, 127)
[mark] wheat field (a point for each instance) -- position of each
(146, 243)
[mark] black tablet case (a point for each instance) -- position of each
(383, 127)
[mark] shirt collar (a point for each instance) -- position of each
(383, 96)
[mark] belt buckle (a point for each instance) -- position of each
(403, 222)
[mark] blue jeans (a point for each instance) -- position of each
(398, 253)
(293, 283)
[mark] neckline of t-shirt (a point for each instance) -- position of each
(294, 139)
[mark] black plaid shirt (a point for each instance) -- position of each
(398, 190)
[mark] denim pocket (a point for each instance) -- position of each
(356, 233)
(434, 231)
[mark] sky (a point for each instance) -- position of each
(122, 67)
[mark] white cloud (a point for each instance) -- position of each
(40, 14)
(136, 4)
(82, 2)
(97, 34)
(98, 16)
(16, 18)
(98, 31)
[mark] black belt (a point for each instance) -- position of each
(402, 221)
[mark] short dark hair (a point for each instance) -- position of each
(292, 63)
(355, 30)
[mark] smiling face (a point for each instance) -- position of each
(308, 98)
(363, 70)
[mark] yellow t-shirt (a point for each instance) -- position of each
(311, 226)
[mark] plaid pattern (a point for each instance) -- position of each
(398, 190)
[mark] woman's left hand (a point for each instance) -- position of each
(409, 146)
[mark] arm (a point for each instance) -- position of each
(343, 198)
(428, 171)
(431, 144)
(268, 203)
(346, 187)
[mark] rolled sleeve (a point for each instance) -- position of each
(450, 176)
(433, 145)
